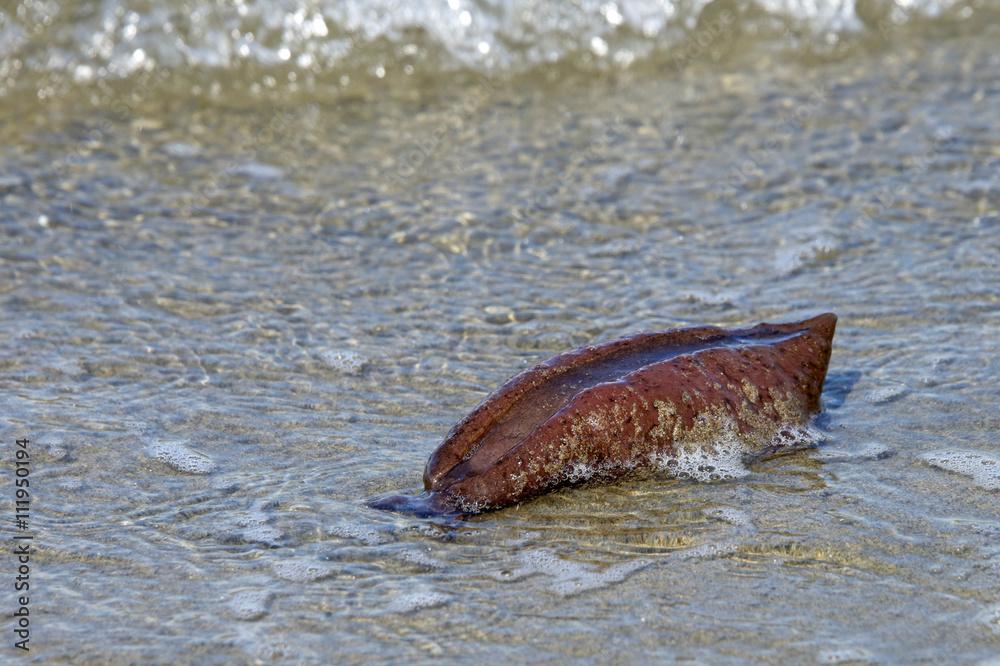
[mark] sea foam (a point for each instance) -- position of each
(344, 361)
(983, 469)
(179, 456)
(250, 604)
(726, 458)
(568, 578)
(413, 601)
(302, 570)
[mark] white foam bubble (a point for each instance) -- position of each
(790, 259)
(181, 457)
(421, 558)
(713, 462)
(256, 528)
(366, 534)
(302, 570)
(732, 516)
(845, 654)
(710, 297)
(265, 534)
(887, 393)
(721, 460)
(138, 427)
(707, 551)
(983, 469)
(257, 170)
(412, 601)
(796, 437)
(250, 604)
(935, 369)
(578, 472)
(254, 516)
(344, 360)
(725, 458)
(568, 578)
(179, 149)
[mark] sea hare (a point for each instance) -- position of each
(623, 405)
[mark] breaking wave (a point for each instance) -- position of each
(287, 45)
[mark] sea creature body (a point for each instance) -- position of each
(616, 407)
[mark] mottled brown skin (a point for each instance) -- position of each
(615, 406)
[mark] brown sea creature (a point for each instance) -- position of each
(623, 405)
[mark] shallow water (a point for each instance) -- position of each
(228, 320)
